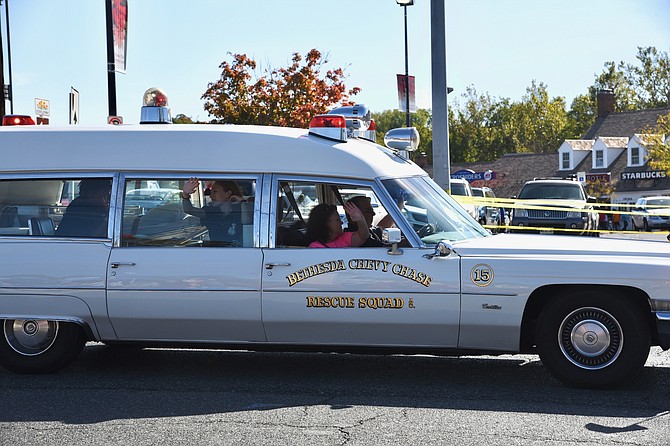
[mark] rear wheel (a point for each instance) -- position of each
(39, 346)
(593, 339)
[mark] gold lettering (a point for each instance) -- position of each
(311, 301)
(292, 279)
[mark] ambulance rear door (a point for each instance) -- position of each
(169, 281)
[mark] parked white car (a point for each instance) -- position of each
(462, 192)
(651, 213)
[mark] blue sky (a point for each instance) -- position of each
(499, 46)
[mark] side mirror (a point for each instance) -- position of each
(392, 236)
(442, 249)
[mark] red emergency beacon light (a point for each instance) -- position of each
(155, 108)
(17, 120)
(329, 126)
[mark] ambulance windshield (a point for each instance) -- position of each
(431, 212)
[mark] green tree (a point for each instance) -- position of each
(485, 128)
(658, 147)
(638, 86)
(288, 96)
(541, 121)
(472, 127)
(650, 78)
(582, 115)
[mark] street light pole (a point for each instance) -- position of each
(9, 61)
(2, 75)
(405, 4)
(407, 117)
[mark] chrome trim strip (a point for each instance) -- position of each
(663, 315)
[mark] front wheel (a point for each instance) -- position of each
(593, 339)
(39, 346)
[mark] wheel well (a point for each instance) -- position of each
(542, 296)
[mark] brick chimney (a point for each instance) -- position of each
(605, 102)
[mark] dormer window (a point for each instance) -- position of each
(634, 156)
(565, 161)
(600, 159)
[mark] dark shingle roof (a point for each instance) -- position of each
(625, 123)
(513, 170)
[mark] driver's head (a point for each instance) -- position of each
(365, 205)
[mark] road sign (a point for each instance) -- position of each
(74, 106)
(115, 120)
(42, 108)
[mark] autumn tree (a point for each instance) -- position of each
(288, 96)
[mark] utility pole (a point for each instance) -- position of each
(441, 161)
(2, 75)
(111, 75)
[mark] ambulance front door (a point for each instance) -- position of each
(351, 296)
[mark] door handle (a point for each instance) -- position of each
(272, 265)
(117, 264)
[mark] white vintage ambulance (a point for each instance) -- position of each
(97, 244)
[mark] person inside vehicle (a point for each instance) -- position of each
(88, 214)
(365, 205)
(223, 215)
(324, 227)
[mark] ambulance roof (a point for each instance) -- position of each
(195, 148)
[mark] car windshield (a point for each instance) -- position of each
(475, 192)
(658, 202)
(431, 212)
(458, 189)
(552, 192)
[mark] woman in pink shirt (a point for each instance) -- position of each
(325, 227)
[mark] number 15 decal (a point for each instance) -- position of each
(481, 274)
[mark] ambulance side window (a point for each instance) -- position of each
(155, 214)
(297, 198)
(55, 207)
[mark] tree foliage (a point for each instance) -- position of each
(288, 96)
(658, 148)
(484, 128)
(640, 86)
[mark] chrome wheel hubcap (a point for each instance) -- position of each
(590, 338)
(30, 337)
